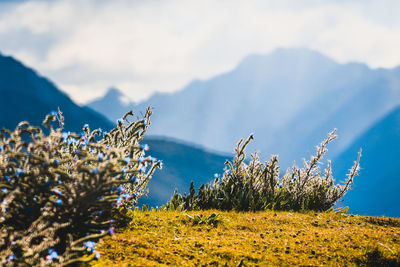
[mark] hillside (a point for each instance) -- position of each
(377, 188)
(258, 239)
(25, 95)
(183, 163)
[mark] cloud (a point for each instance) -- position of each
(146, 46)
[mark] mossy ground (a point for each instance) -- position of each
(160, 238)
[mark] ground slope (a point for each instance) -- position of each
(258, 239)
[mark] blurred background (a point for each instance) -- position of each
(215, 72)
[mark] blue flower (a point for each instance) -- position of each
(134, 180)
(52, 255)
(7, 178)
(145, 147)
(119, 200)
(65, 135)
(1, 148)
(90, 245)
(100, 130)
(121, 189)
(100, 156)
(77, 151)
(10, 258)
(53, 113)
(97, 255)
(124, 169)
(56, 161)
(127, 160)
(142, 169)
(95, 171)
(120, 121)
(57, 191)
(111, 230)
(216, 175)
(59, 201)
(144, 122)
(19, 172)
(85, 126)
(4, 190)
(141, 159)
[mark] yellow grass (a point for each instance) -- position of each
(161, 238)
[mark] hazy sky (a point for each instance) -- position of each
(146, 46)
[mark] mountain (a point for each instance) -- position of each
(290, 99)
(27, 96)
(113, 102)
(183, 163)
(376, 190)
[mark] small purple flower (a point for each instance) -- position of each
(77, 151)
(145, 147)
(127, 160)
(111, 230)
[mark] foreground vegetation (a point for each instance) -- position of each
(216, 238)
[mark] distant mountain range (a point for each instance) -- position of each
(290, 99)
(376, 190)
(27, 96)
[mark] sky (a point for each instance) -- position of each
(143, 47)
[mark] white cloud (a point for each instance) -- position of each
(147, 46)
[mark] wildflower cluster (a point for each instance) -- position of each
(259, 186)
(60, 192)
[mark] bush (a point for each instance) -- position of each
(259, 186)
(59, 192)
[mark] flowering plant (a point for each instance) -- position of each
(60, 192)
(259, 186)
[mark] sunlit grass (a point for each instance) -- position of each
(160, 238)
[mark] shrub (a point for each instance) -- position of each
(259, 186)
(59, 192)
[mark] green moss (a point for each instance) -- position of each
(161, 238)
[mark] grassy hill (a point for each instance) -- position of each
(161, 238)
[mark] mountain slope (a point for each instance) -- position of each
(27, 96)
(376, 190)
(290, 99)
(183, 163)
